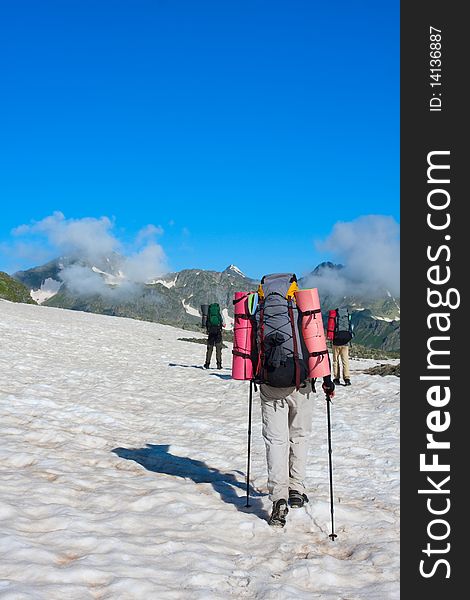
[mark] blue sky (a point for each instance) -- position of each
(244, 129)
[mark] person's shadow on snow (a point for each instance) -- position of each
(156, 458)
(186, 366)
(220, 376)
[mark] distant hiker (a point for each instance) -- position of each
(286, 404)
(214, 325)
(340, 332)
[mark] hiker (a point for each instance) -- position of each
(285, 390)
(340, 332)
(214, 325)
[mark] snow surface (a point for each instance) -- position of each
(228, 320)
(109, 278)
(387, 319)
(122, 465)
(48, 288)
(167, 284)
(190, 309)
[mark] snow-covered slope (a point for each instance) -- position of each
(122, 467)
(48, 289)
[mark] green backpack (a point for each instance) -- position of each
(214, 318)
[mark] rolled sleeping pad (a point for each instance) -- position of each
(204, 313)
(252, 302)
(330, 328)
(308, 304)
(242, 366)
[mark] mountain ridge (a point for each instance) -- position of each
(175, 298)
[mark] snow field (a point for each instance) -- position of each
(122, 473)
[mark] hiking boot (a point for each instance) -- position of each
(206, 365)
(278, 514)
(336, 381)
(219, 365)
(347, 382)
(296, 499)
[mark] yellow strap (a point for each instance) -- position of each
(290, 292)
(293, 288)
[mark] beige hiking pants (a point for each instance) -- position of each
(341, 352)
(287, 423)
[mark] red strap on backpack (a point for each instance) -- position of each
(261, 376)
(294, 341)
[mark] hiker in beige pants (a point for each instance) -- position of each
(287, 423)
(341, 353)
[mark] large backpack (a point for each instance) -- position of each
(343, 328)
(214, 318)
(282, 356)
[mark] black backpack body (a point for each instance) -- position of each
(282, 356)
(343, 328)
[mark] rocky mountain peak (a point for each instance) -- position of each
(233, 270)
(326, 266)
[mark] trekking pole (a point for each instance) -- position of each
(332, 535)
(250, 402)
(249, 446)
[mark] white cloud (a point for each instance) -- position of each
(92, 240)
(145, 265)
(149, 232)
(87, 238)
(83, 281)
(369, 249)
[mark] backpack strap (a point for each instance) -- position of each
(319, 353)
(294, 341)
(260, 365)
(241, 315)
(290, 297)
(242, 354)
(309, 312)
(292, 288)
